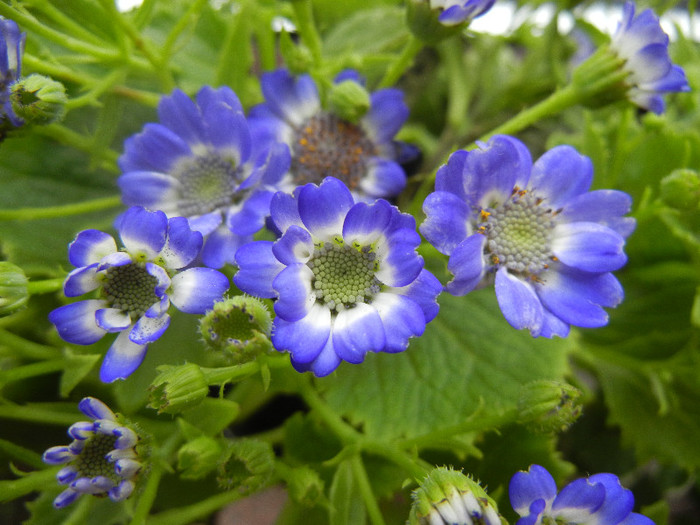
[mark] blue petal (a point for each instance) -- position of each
(113, 260)
(528, 487)
(156, 148)
(163, 281)
(148, 329)
(357, 331)
(467, 265)
(577, 501)
(519, 303)
(75, 322)
(182, 244)
(122, 359)
(424, 291)
(251, 217)
(66, 475)
(81, 430)
(364, 223)
(58, 455)
(349, 74)
(384, 179)
(553, 326)
(150, 189)
(293, 99)
(648, 65)
(180, 114)
(323, 208)
(195, 290)
(674, 80)
(323, 364)
(257, 268)
(588, 246)
(65, 498)
(143, 231)
(206, 223)
(618, 503)
(636, 519)
(295, 295)
(450, 176)
(295, 246)
(95, 409)
(446, 223)
(561, 174)
(605, 207)
(81, 281)
(112, 319)
(267, 128)
(305, 338)
(401, 264)
(284, 210)
(634, 33)
(89, 247)
(467, 11)
(122, 491)
(228, 131)
(402, 319)
(221, 245)
(387, 113)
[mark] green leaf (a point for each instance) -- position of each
(469, 358)
(369, 31)
(211, 416)
(347, 507)
(77, 367)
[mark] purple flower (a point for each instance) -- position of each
(534, 230)
(454, 12)
(346, 277)
(11, 50)
(198, 163)
(135, 286)
(643, 44)
(596, 500)
(363, 155)
(101, 460)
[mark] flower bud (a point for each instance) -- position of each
(177, 388)
(199, 457)
(249, 465)
(37, 99)
(681, 189)
(424, 23)
(297, 57)
(13, 288)
(349, 100)
(447, 496)
(239, 327)
(304, 485)
(549, 406)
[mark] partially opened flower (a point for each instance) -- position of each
(596, 500)
(454, 12)
(346, 276)
(11, 50)
(198, 163)
(535, 231)
(435, 20)
(363, 155)
(134, 286)
(102, 460)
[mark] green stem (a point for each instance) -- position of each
(68, 23)
(35, 481)
(345, 432)
(360, 474)
(217, 376)
(458, 101)
(69, 137)
(416, 467)
(148, 495)
(24, 455)
(32, 370)
(34, 414)
(188, 20)
(303, 10)
(99, 88)
(46, 286)
(402, 62)
(25, 348)
(197, 511)
(66, 210)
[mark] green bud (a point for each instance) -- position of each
(424, 23)
(304, 485)
(199, 457)
(681, 189)
(177, 388)
(549, 406)
(249, 465)
(448, 496)
(297, 57)
(349, 100)
(239, 327)
(13, 288)
(37, 99)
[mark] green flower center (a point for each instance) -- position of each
(207, 183)
(344, 275)
(91, 461)
(327, 145)
(130, 288)
(519, 234)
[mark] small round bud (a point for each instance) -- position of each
(37, 99)
(304, 485)
(177, 388)
(447, 496)
(199, 457)
(549, 406)
(681, 189)
(248, 466)
(239, 327)
(13, 288)
(349, 100)
(297, 57)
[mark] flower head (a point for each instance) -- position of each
(101, 460)
(454, 12)
(346, 276)
(534, 230)
(198, 163)
(135, 286)
(435, 20)
(596, 500)
(363, 155)
(11, 50)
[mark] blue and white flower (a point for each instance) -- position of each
(455, 12)
(363, 155)
(102, 460)
(11, 51)
(134, 286)
(534, 230)
(346, 277)
(198, 162)
(643, 45)
(595, 500)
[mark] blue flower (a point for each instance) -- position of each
(643, 44)
(346, 276)
(363, 155)
(135, 286)
(455, 12)
(11, 50)
(101, 460)
(198, 163)
(535, 230)
(596, 500)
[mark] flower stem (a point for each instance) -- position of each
(402, 62)
(345, 432)
(197, 511)
(148, 496)
(24, 455)
(32, 370)
(16, 488)
(21, 347)
(50, 212)
(45, 286)
(38, 415)
(307, 28)
(360, 474)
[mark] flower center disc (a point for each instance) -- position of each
(91, 461)
(327, 145)
(343, 275)
(130, 288)
(519, 234)
(207, 183)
